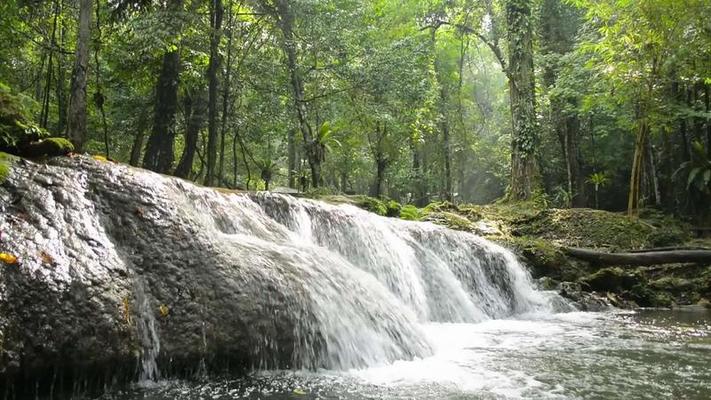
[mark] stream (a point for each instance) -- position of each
(649, 354)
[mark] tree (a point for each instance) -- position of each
(77, 115)
(523, 99)
(216, 12)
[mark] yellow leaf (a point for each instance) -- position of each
(100, 158)
(8, 258)
(299, 391)
(163, 309)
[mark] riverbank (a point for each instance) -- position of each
(539, 234)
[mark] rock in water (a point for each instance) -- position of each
(122, 271)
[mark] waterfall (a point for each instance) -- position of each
(255, 280)
(150, 341)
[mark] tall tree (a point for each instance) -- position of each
(523, 101)
(159, 155)
(77, 115)
(216, 12)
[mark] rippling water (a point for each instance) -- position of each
(642, 355)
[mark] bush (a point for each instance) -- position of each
(16, 126)
(410, 213)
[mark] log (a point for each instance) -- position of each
(639, 259)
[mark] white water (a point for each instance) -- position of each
(369, 282)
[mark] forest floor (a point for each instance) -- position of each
(538, 235)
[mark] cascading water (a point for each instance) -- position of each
(251, 280)
(150, 341)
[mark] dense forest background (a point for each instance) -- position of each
(581, 103)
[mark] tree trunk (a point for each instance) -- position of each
(443, 121)
(61, 97)
(637, 165)
(216, 27)
(311, 147)
(77, 115)
(641, 258)
(522, 94)
(136, 148)
(195, 110)
(291, 143)
(226, 96)
(159, 151)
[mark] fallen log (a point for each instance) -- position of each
(639, 259)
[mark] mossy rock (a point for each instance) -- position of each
(673, 284)
(49, 147)
(613, 279)
(546, 259)
(6, 161)
(450, 220)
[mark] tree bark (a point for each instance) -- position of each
(77, 115)
(640, 258)
(636, 175)
(522, 95)
(215, 35)
(291, 144)
(311, 146)
(159, 151)
(195, 110)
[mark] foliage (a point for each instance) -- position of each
(16, 121)
(397, 95)
(6, 161)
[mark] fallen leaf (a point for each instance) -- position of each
(8, 258)
(163, 309)
(100, 158)
(46, 258)
(299, 391)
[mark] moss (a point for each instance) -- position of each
(673, 284)
(450, 220)
(545, 259)
(6, 161)
(16, 125)
(393, 209)
(49, 147)
(606, 279)
(410, 213)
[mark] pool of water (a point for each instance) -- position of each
(649, 354)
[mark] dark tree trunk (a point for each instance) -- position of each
(291, 142)
(159, 150)
(195, 110)
(522, 94)
(136, 148)
(216, 27)
(77, 115)
(640, 259)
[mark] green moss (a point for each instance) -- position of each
(545, 259)
(410, 213)
(16, 125)
(673, 284)
(6, 161)
(393, 209)
(450, 220)
(48, 147)
(606, 280)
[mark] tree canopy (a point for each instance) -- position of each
(601, 103)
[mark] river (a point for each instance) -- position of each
(649, 354)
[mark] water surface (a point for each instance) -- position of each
(649, 354)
